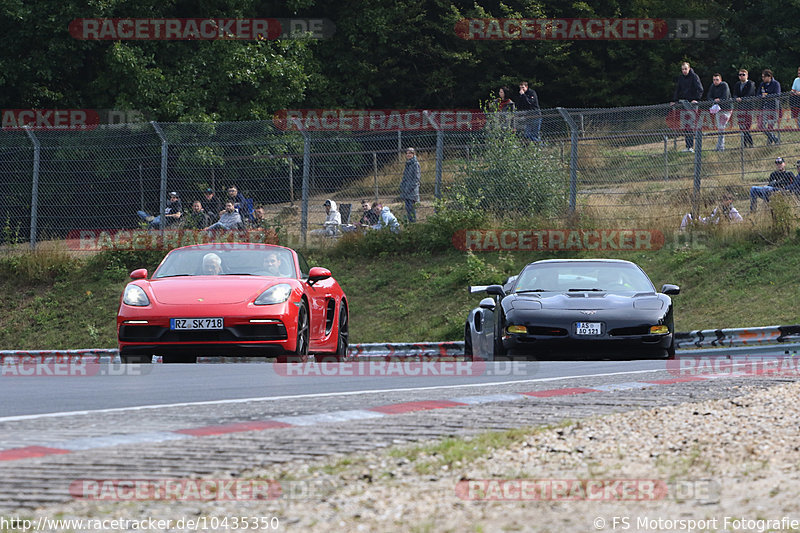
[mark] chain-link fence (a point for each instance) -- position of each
(623, 165)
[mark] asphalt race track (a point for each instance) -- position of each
(197, 420)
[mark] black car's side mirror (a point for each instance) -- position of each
(668, 288)
(495, 290)
(488, 304)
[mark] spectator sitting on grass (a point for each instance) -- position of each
(724, 212)
(385, 218)
(333, 220)
(172, 213)
(197, 218)
(230, 219)
(779, 180)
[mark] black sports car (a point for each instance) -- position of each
(573, 307)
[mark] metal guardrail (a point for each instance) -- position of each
(737, 336)
(721, 338)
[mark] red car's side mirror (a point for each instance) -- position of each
(318, 274)
(140, 273)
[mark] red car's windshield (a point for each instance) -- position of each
(211, 261)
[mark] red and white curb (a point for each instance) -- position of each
(89, 443)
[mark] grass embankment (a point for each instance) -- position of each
(402, 289)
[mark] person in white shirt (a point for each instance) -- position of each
(724, 212)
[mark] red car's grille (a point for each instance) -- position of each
(244, 332)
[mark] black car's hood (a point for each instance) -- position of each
(586, 300)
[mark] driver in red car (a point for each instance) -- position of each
(272, 265)
(212, 265)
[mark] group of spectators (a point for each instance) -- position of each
(209, 213)
(745, 95)
(529, 121)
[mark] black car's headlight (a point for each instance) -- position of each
(659, 330)
(134, 295)
(275, 295)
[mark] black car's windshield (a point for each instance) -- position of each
(583, 276)
(228, 260)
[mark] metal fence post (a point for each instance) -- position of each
(375, 171)
(573, 159)
(291, 181)
(666, 160)
(162, 203)
(698, 169)
(37, 155)
(437, 192)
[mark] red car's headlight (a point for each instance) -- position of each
(275, 295)
(135, 295)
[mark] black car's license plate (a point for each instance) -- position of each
(587, 328)
(195, 323)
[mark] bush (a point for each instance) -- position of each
(508, 175)
(435, 234)
(37, 266)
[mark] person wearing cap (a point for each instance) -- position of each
(779, 180)
(211, 204)
(172, 213)
(333, 220)
(409, 186)
(720, 95)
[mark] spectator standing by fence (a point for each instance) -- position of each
(506, 108)
(744, 92)
(528, 104)
(794, 99)
(409, 186)
(770, 91)
(720, 94)
(688, 87)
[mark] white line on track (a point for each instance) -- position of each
(315, 395)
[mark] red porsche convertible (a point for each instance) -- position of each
(232, 300)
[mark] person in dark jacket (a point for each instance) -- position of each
(528, 105)
(779, 180)
(688, 87)
(409, 186)
(720, 95)
(744, 93)
(770, 91)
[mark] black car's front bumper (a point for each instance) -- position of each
(568, 346)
